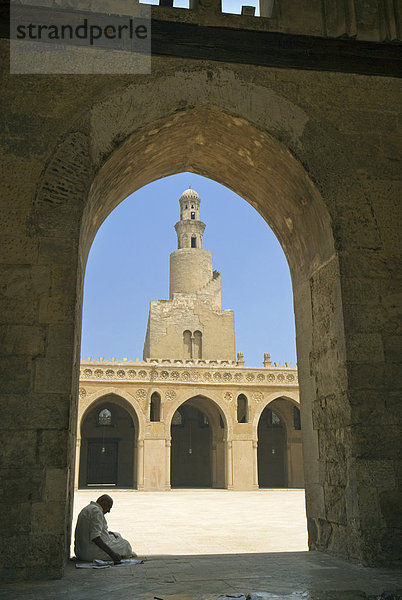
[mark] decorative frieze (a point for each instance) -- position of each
(215, 372)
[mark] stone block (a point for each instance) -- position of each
(22, 484)
(369, 508)
(52, 447)
(369, 406)
(358, 227)
(333, 473)
(15, 374)
(14, 310)
(18, 449)
(16, 517)
(60, 341)
(57, 308)
(64, 279)
(364, 264)
(364, 319)
(315, 501)
(22, 339)
(18, 250)
(57, 251)
(36, 550)
(56, 484)
(361, 291)
(374, 441)
(52, 375)
(35, 411)
(48, 517)
(365, 347)
(391, 507)
(393, 348)
(335, 504)
(59, 222)
(375, 473)
(367, 376)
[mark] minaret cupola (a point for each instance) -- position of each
(189, 229)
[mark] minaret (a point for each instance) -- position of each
(190, 325)
(190, 265)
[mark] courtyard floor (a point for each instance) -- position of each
(210, 544)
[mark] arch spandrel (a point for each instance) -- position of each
(215, 401)
(120, 397)
(292, 397)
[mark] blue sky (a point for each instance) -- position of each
(129, 265)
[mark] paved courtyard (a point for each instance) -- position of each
(206, 521)
(210, 544)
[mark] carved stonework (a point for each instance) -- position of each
(82, 393)
(258, 396)
(219, 372)
(228, 396)
(140, 394)
(170, 395)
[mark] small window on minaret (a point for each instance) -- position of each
(194, 242)
(193, 215)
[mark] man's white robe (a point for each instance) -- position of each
(91, 523)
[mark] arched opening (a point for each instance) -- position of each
(197, 457)
(197, 352)
(155, 407)
(187, 344)
(293, 208)
(242, 409)
(279, 451)
(107, 454)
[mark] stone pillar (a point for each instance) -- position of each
(243, 464)
(168, 445)
(229, 466)
(214, 464)
(77, 463)
(255, 465)
(140, 464)
(155, 464)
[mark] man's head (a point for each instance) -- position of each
(105, 502)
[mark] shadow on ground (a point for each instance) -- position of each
(269, 576)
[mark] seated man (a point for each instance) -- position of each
(92, 538)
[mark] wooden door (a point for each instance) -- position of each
(102, 462)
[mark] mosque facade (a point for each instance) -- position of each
(190, 413)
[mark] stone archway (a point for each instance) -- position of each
(198, 436)
(117, 148)
(127, 415)
(108, 442)
(279, 450)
